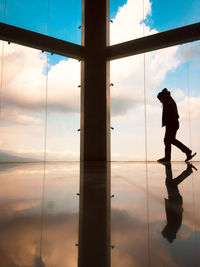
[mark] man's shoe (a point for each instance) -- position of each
(163, 160)
(190, 156)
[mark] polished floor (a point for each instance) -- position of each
(119, 214)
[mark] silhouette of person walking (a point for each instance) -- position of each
(173, 205)
(170, 121)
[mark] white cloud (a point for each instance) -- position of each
(190, 51)
(177, 94)
(127, 24)
(24, 81)
(192, 106)
(14, 116)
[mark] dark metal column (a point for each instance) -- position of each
(95, 91)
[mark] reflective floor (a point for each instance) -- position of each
(118, 214)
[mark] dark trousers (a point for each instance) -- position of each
(170, 139)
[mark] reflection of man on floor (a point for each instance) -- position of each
(173, 205)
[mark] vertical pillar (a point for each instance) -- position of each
(95, 84)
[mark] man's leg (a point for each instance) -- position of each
(169, 137)
(181, 146)
(184, 149)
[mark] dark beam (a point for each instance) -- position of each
(95, 84)
(153, 42)
(39, 41)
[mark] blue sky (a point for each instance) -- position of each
(171, 14)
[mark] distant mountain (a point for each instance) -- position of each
(7, 157)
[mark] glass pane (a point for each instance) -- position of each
(170, 14)
(127, 109)
(27, 94)
(137, 18)
(2, 10)
(126, 21)
(22, 104)
(192, 11)
(30, 15)
(114, 6)
(59, 19)
(175, 68)
(65, 19)
(166, 15)
(63, 109)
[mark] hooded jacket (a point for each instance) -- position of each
(170, 113)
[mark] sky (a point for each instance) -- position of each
(25, 83)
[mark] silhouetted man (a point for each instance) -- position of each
(173, 205)
(170, 121)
